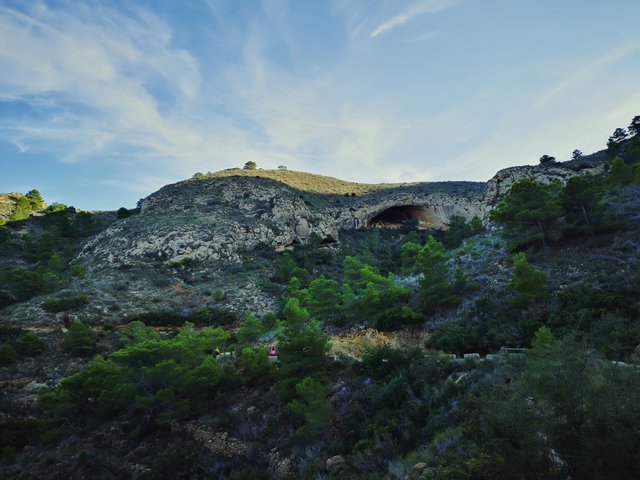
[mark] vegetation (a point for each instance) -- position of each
(64, 303)
(45, 256)
(528, 213)
(250, 166)
(527, 282)
(303, 181)
(29, 344)
(79, 339)
(7, 356)
(558, 281)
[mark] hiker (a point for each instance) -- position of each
(273, 352)
(216, 352)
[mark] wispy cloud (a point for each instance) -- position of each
(112, 89)
(90, 78)
(146, 99)
(424, 37)
(412, 11)
(587, 71)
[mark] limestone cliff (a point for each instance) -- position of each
(216, 219)
(544, 174)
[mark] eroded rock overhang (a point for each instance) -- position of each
(412, 216)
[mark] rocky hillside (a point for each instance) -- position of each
(366, 298)
(206, 243)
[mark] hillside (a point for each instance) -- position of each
(307, 182)
(112, 324)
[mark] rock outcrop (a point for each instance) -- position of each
(544, 174)
(218, 219)
(198, 239)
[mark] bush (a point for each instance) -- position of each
(56, 207)
(79, 339)
(257, 364)
(22, 209)
(452, 337)
(30, 344)
(202, 317)
(123, 213)
(526, 281)
(250, 330)
(529, 213)
(15, 433)
(63, 304)
(7, 356)
(24, 284)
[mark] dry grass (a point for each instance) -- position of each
(356, 341)
(309, 182)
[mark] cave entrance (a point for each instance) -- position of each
(418, 216)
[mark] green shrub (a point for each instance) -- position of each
(218, 295)
(56, 207)
(22, 209)
(452, 337)
(201, 317)
(6, 298)
(29, 344)
(79, 339)
(8, 454)
(526, 281)
(63, 304)
(24, 284)
(15, 433)
(256, 363)
(7, 356)
(529, 214)
(250, 330)
(177, 462)
(123, 213)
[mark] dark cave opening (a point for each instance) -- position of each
(417, 216)
(328, 240)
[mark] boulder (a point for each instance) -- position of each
(335, 463)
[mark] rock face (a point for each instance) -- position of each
(217, 219)
(198, 239)
(544, 174)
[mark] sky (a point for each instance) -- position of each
(104, 102)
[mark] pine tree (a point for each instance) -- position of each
(580, 199)
(35, 199)
(303, 346)
(435, 290)
(529, 214)
(526, 281)
(79, 339)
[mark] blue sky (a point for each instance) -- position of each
(102, 103)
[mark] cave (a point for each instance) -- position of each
(328, 241)
(418, 216)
